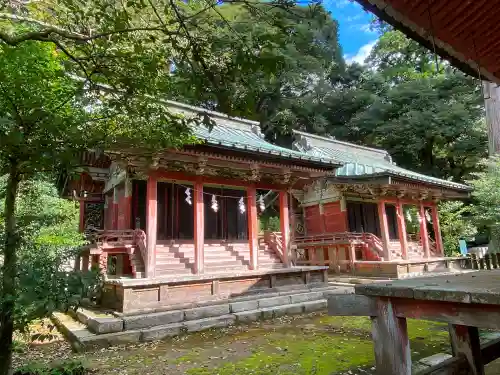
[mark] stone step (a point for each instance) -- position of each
(156, 326)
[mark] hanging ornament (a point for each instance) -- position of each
(428, 216)
(262, 206)
(408, 216)
(241, 205)
(188, 196)
(214, 205)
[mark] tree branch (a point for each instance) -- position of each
(45, 34)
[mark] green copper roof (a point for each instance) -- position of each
(244, 135)
(360, 161)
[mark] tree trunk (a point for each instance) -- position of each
(9, 271)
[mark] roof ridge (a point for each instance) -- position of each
(334, 140)
(173, 103)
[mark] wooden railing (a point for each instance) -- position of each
(367, 240)
(117, 238)
(275, 242)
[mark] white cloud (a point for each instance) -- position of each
(361, 55)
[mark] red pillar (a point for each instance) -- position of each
(437, 230)
(402, 230)
(151, 225)
(127, 206)
(384, 229)
(115, 208)
(199, 227)
(284, 226)
(424, 236)
(253, 227)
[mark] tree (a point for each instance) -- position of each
(455, 225)
(79, 75)
(276, 64)
(48, 241)
(427, 120)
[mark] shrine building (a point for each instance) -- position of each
(183, 225)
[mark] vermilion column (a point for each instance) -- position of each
(127, 206)
(437, 230)
(253, 227)
(199, 227)
(151, 225)
(402, 230)
(285, 226)
(424, 236)
(384, 229)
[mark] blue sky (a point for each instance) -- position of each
(355, 35)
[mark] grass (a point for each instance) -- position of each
(307, 345)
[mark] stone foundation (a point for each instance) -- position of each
(410, 268)
(136, 295)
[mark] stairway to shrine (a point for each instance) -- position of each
(178, 259)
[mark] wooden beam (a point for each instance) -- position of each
(284, 226)
(199, 227)
(469, 314)
(179, 176)
(403, 240)
(437, 230)
(465, 342)
(390, 339)
(384, 229)
(424, 235)
(151, 225)
(253, 227)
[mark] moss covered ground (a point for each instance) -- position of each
(313, 344)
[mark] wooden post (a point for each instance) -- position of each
(285, 226)
(465, 341)
(403, 240)
(424, 236)
(151, 225)
(81, 226)
(352, 257)
(390, 339)
(115, 208)
(199, 227)
(127, 206)
(437, 230)
(85, 262)
(253, 227)
(384, 229)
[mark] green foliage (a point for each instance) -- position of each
(70, 367)
(48, 243)
(271, 60)
(271, 223)
(487, 193)
(455, 225)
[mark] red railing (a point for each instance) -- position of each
(117, 238)
(303, 245)
(275, 242)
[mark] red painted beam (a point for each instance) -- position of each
(284, 225)
(253, 227)
(179, 176)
